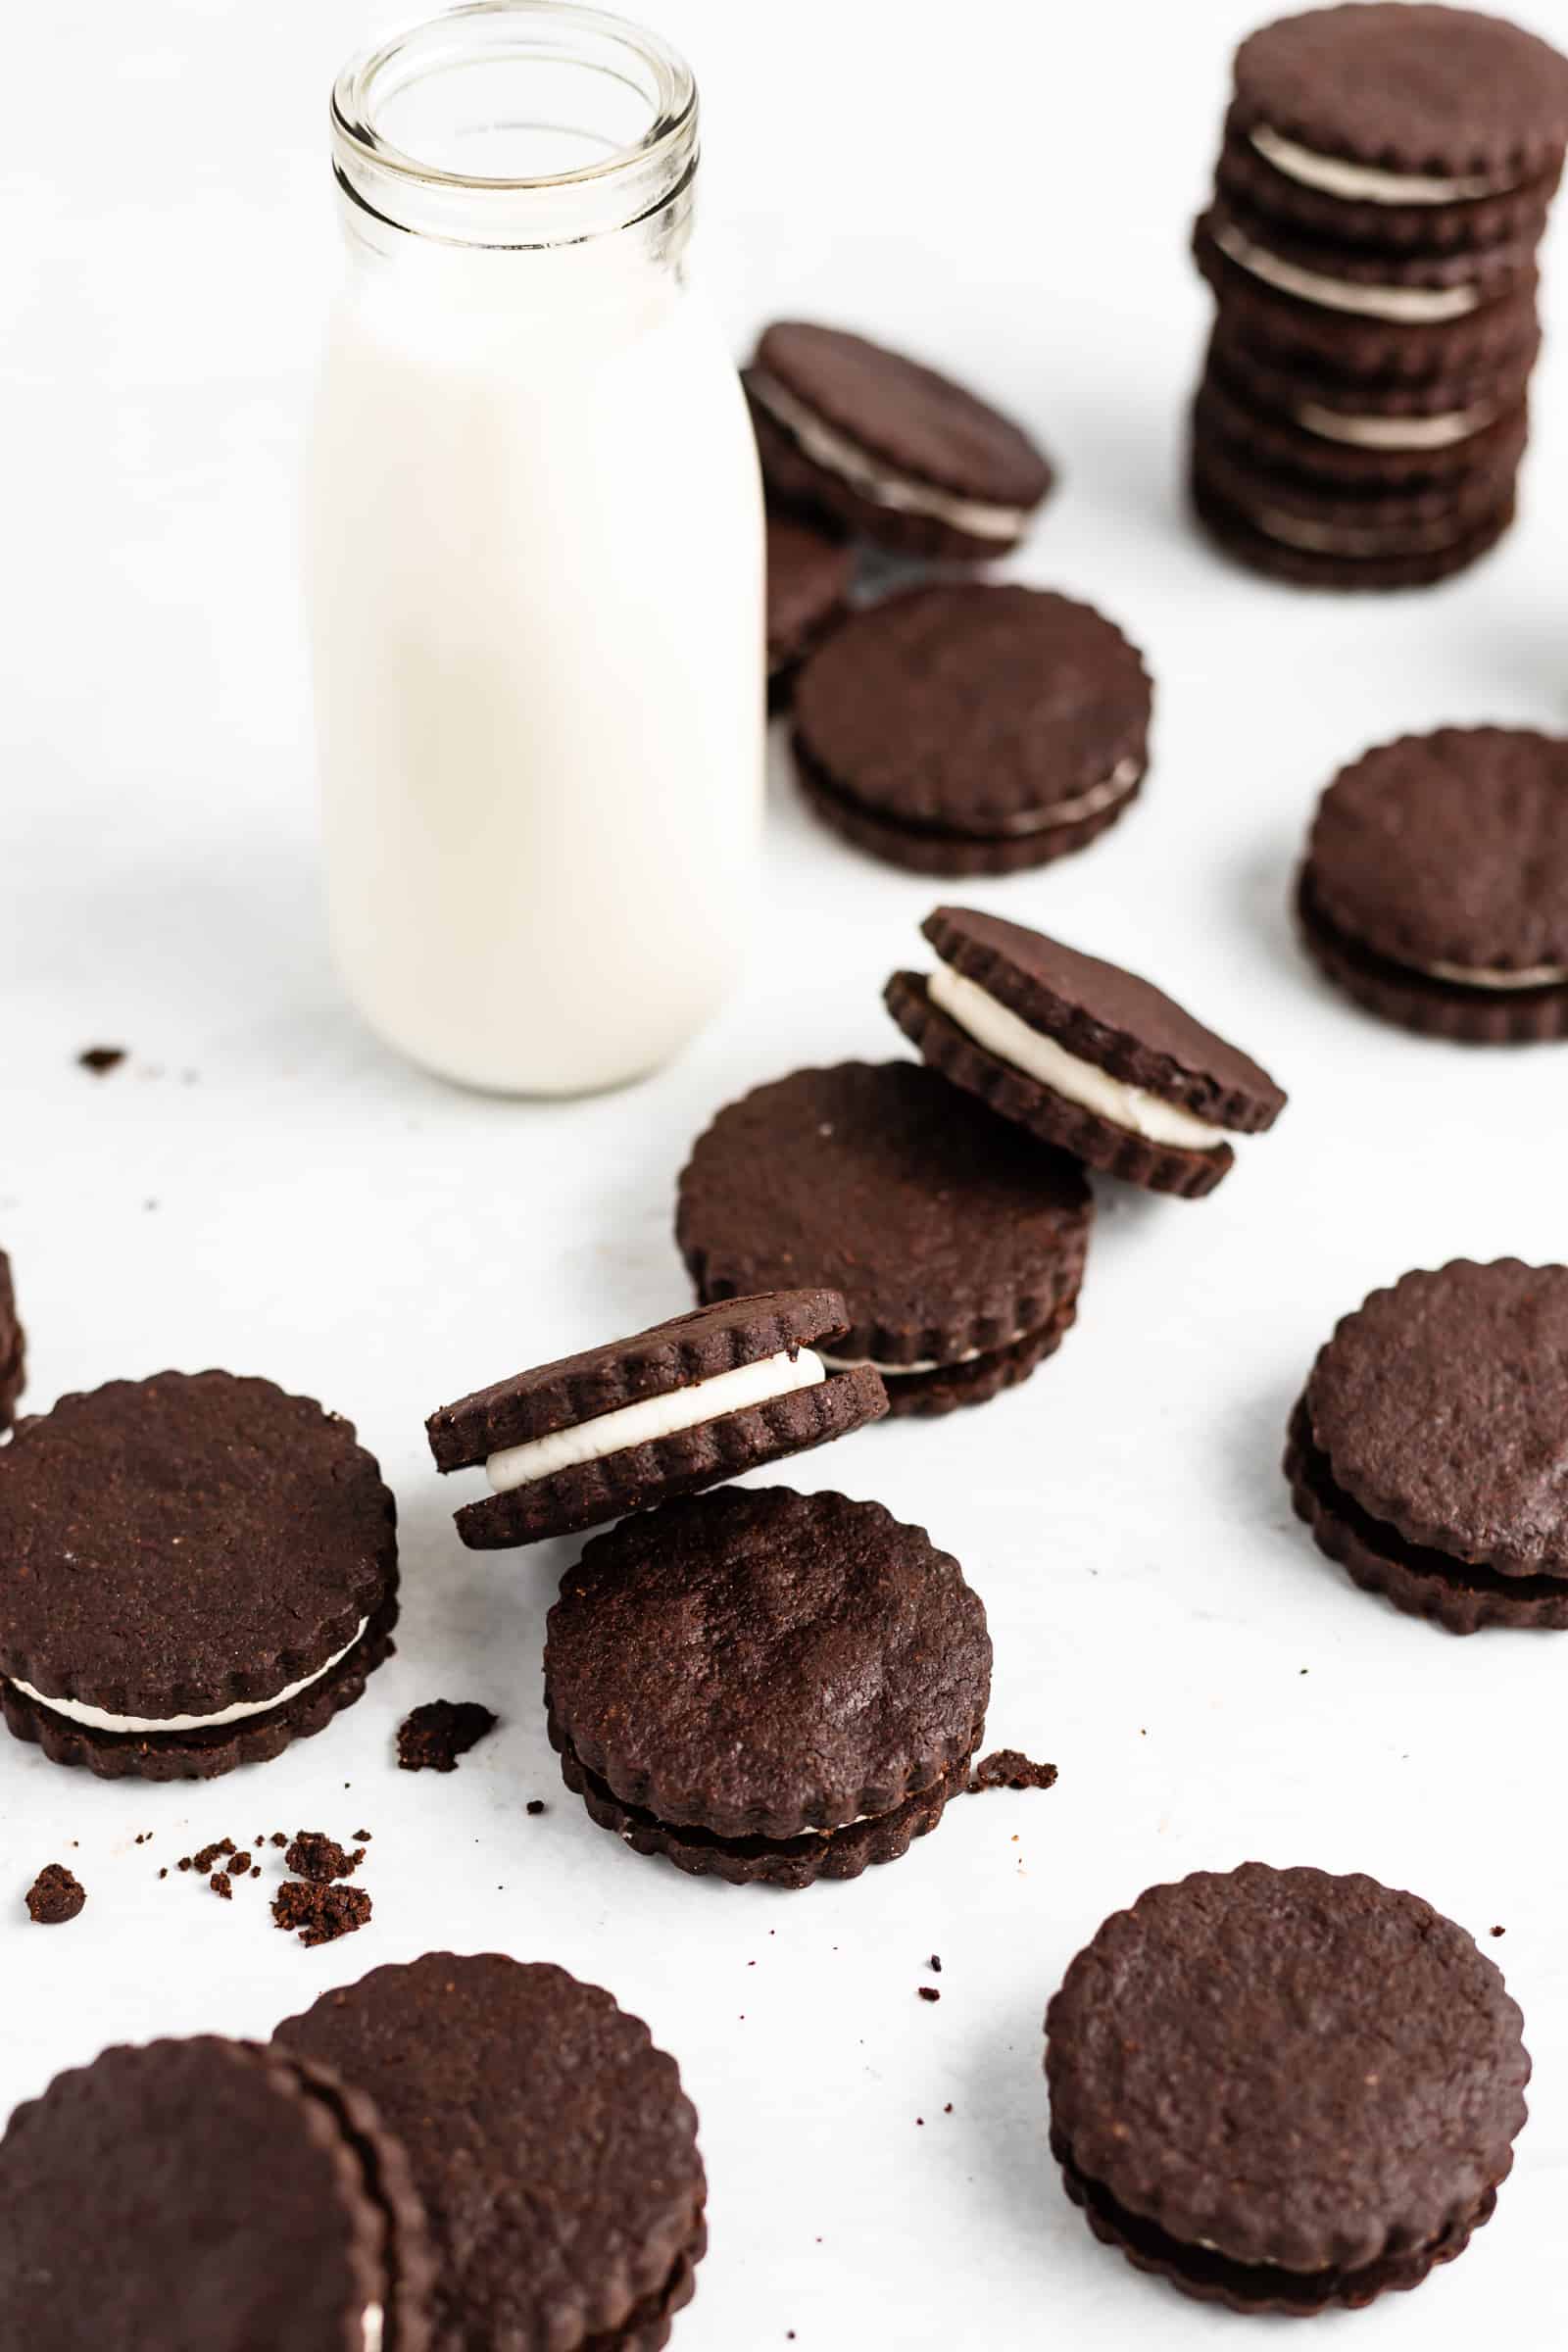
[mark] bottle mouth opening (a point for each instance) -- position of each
(515, 121)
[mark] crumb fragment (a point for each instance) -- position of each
(239, 1864)
(435, 1735)
(280, 1838)
(928, 1993)
(1010, 1768)
(55, 1896)
(535, 1805)
(363, 1835)
(101, 1060)
(316, 1856)
(1499, 1931)
(210, 1854)
(321, 1914)
(935, 1964)
(221, 1884)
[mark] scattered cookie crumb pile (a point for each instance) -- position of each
(314, 1903)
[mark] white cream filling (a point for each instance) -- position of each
(653, 1417)
(1117, 785)
(1395, 432)
(1405, 306)
(97, 1719)
(924, 1363)
(899, 493)
(1337, 177)
(1538, 975)
(1002, 1032)
(372, 2323)
(1330, 539)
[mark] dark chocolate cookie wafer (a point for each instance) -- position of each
(1430, 1451)
(809, 577)
(1250, 179)
(1355, 521)
(1436, 884)
(194, 1570)
(1081, 1053)
(903, 454)
(208, 2196)
(1351, 459)
(1464, 106)
(13, 1347)
(1282, 2090)
(1423, 285)
(1239, 536)
(964, 727)
(765, 1686)
(1426, 336)
(959, 1241)
(1338, 406)
(636, 1422)
(551, 2142)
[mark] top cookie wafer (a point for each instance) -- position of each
(638, 1421)
(1465, 103)
(12, 1347)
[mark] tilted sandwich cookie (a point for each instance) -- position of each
(1082, 1054)
(633, 1423)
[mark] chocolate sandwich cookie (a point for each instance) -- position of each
(1081, 1053)
(674, 1409)
(1349, 458)
(1284, 2091)
(551, 2143)
(956, 1240)
(1402, 416)
(208, 2196)
(1400, 125)
(764, 1685)
(973, 728)
(808, 579)
(1382, 327)
(13, 1347)
(1429, 1455)
(194, 1570)
(1435, 890)
(1438, 557)
(904, 457)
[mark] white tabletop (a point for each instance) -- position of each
(1006, 189)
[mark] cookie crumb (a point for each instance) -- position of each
(55, 1896)
(928, 1993)
(239, 1865)
(321, 1914)
(1499, 1931)
(1010, 1767)
(363, 1835)
(535, 1805)
(101, 1060)
(935, 1964)
(436, 1735)
(280, 1838)
(221, 1884)
(948, 2109)
(316, 1856)
(210, 1854)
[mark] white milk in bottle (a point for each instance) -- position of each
(536, 560)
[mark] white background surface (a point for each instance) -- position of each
(1006, 189)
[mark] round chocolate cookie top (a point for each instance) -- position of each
(1442, 1406)
(549, 2141)
(1408, 89)
(1450, 848)
(974, 706)
(808, 576)
(1288, 2067)
(181, 1545)
(1107, 1017)
(946, 1227)
(206, 2196)
(918, 422)
(762, 1662)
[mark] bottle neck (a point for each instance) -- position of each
(503, 129)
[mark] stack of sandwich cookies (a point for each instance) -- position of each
(208, 2196)
(1435, 888)
(194, 1571)
(973, 728)
(13, 1348)
(636, 1422)
(809, 574)
(1284, 2091)
(766, 1686)
(1429, 1455)
(1383, 189)
(958, 1241)
(1081, 1053)
(550, 2141)
(894, 452)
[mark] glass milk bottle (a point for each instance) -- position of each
(535, 559)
